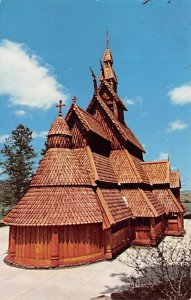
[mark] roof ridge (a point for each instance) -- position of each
(175, 200)
(92, 163)
(104, 205)
(133, 165)
(152, 208)
(155, 161)
(77, 110)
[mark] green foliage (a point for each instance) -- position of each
(18, 164)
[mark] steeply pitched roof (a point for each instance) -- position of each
(104, 168)
(143, 203)
(59, 127)
(105, 84)
(124, 131)
(116, 204)
(157, 171)
(88, 121)
(175, 179)
(56, 206)
(98, 166)
(60, 166)
(168, 200)
(128, 168)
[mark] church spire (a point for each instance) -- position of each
(108, 73)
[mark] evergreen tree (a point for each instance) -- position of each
(18, 163)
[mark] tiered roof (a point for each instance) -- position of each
(143, 203)
(60, 192)
(157, 171)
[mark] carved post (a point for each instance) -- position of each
(12, 238)
(54, 247)
(108, 251)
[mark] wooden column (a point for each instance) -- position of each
(180, 222)
(108, 251)
(152, 229)
(12, 237)
(54, 247)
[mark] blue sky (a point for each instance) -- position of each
(46, 48)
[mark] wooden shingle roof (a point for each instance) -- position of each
(51, 206)
(60, 166)
(59, 127)
(175, 179)
(117, 206)
(168, 200)
(143, 203)
(157, 171)
(128, 168)
(89, 122)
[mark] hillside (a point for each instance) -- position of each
(185, 196)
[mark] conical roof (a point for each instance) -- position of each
(59, 127)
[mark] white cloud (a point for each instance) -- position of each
(162, 156)
(20, 113)
(3, 137)
(181, 95)
(137, 101)
(177, 125)
(41, 134)
(129, 101)
(25, 79)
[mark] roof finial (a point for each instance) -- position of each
(107, 39)
(102, 69)
(74, 99)
(60, 105)
(94, 79)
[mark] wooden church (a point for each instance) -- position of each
(93, 195)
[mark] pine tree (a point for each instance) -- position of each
(18, 163)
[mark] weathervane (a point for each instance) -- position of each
(60, 105)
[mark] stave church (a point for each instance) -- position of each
(93, 195)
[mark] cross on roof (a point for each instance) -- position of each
(60, 105)
(74, 99)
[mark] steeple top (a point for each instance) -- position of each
(60, 105)
(107, 39)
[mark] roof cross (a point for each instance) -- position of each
(60, 105)
(74, 99)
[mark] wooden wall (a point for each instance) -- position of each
(55, 246)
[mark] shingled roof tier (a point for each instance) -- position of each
(157, 171)
(143, 203)
(118, 208)
(60, 166)
(89, 122)
(128, 168)
(59, 127)
(175, 179)
(168, 200)
(52, 206)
